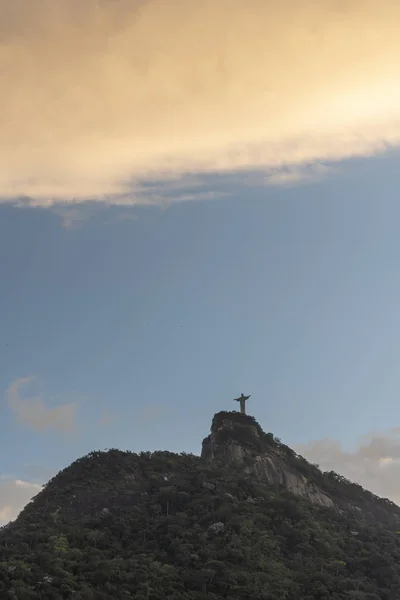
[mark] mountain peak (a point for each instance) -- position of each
(234, 428)
(249, 520)
(238, 439)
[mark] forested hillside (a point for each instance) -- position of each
(117, 525)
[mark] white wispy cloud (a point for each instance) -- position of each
(98, 96)
(300, 175)
(14, 495)
(72, 217)
(33, 411)
(375, 462)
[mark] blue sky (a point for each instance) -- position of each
(185, 217)
(153, 324)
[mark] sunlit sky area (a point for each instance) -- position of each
(198, 200)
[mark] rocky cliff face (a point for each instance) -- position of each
(237, 440)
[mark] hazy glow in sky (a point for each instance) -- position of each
(100, 94)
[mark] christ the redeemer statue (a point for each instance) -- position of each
(242, 399)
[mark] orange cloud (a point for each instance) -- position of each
(102, 94)
(33, 412)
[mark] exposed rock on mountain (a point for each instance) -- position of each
(241, 442)
(249, 520)
(237, 439)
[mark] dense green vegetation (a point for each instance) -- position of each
(117, 525)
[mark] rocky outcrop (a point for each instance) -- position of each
(237, 440)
